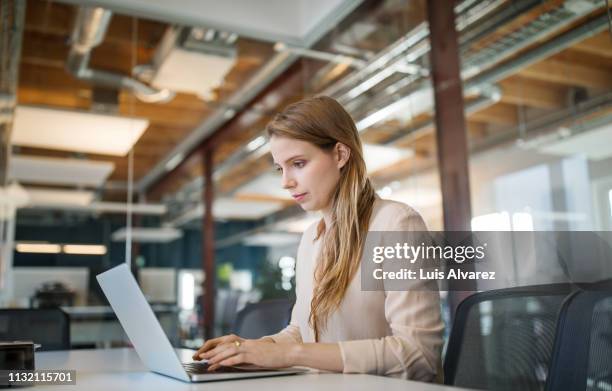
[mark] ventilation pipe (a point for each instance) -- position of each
(89, 31)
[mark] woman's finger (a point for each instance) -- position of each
(239, 358)
(216, 350)
(209, 344)
(212, 343)
(223, 352)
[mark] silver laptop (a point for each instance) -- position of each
(150, 341)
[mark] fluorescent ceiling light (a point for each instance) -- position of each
(230, 209)
(53, 197)
(84, 249)
(55, 171)
(271, 239)
(76, 131)
(379, 156)
(103, 207)
(226, 208)
(404, 109)
(38, 248)
(148, 235)
(193, 72)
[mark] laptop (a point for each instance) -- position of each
(150, 341)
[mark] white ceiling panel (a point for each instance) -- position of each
(225, 208)
(52, 197)
(56, 171)
(76, 131)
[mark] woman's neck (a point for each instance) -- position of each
(327, 216)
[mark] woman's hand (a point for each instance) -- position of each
(233, 350)
(213, 343)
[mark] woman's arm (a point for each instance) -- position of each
(325, 356)
(234, 350)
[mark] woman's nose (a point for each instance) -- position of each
(288, 182)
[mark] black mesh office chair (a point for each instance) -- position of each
(264, 318)
(583, 346)
(49, 327)
(503, 339)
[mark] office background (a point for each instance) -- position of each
(79, 141)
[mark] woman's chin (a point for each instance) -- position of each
(308, 207)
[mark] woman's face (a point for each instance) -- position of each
(309, 173)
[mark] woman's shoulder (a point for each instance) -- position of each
(394, 215)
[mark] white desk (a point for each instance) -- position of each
(121, 369)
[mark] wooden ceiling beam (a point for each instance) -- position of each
(569, 74)
(499, 114)
(598, 45)
(520, 91)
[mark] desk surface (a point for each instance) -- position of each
(121, 369)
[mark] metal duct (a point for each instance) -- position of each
(489, 95)
(476, 68)
(89, 31)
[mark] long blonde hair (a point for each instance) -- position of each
(323, 122)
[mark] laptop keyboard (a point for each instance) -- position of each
(196, 368)
(201, 368)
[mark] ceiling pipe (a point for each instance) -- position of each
(470, 9)
(479, 69)
(489, 95)
(89, 31)
(409, 48)
(489, 92)
(320, 55)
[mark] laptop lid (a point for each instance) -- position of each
(139, 322)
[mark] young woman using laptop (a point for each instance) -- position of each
(335, 326)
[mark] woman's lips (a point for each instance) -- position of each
(299, 197)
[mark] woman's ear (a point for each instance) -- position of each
(342, 153)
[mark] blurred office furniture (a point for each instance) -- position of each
(53, 294)
(582, 358)
(226, 307)
(264, 318)
(26, 280)
(98, 326)
(503, 339)
(49, 327)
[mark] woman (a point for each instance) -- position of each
(336, 326)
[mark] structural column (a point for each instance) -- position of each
(208, 246)
(451, 136)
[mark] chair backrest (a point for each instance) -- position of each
(503, 339)
(583, 345)
(264, 318)
(49, 327)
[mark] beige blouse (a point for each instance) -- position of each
(392, 333)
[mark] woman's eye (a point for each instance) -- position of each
(278, 169)
(299, 164)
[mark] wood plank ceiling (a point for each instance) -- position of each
(544, 87)
(44, 81)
